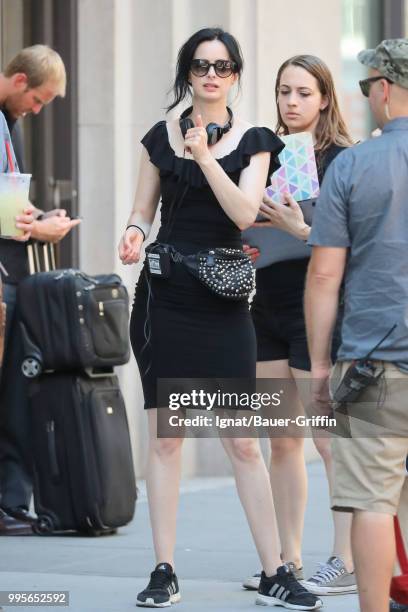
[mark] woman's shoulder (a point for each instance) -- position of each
(258, 138)
(329, 154)
(156, 143)
(255, 140)
(334, 149)
(157, 131)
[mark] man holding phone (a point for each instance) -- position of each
(31, 80)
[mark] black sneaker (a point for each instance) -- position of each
(162, 590)
(252, 583)
(284, 590)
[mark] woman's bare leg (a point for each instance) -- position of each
(287, 475)
(163, 483)
(341, 520)
(254, 491)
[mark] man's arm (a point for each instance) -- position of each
(330, 239)
(323, 283)
(324, 276)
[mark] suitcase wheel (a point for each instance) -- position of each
(31, 367)
(45, 524)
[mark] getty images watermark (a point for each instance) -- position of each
(266, 407)
(238, 408)
(204, 400)
(223, 399)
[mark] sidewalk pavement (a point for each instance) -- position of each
(214, 553)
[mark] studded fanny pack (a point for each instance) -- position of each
(226, 272)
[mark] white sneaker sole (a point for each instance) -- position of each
(149, 603)
(266, 600)
(321, 590)
(251, 584)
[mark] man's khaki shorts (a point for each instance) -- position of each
(369, 468)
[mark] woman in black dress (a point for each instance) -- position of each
(188, 331)
(306, 102)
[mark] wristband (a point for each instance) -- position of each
(137, 227)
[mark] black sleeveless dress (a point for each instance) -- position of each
(184, 330)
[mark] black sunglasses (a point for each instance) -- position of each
(223, 68)
(365, 84)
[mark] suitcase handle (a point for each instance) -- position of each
(99, 372)
(52, 450)
(91, 279)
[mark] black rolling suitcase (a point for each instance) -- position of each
(73, 321)
(83, 469)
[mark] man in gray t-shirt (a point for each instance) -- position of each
(360, 231)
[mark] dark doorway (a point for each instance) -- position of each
(51, 140)
(54, 131)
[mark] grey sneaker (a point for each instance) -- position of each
(331, 578)
(252, 583)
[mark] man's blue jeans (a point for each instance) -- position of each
(15, 444)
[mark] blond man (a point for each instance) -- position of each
(30, 81)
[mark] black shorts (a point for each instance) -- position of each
(281, 334)
(277, 313)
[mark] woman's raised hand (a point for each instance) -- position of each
(130, 246)
(196, 142)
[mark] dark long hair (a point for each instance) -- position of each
(181, 84)
(331, 127)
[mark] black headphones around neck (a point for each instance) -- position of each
(214, 131)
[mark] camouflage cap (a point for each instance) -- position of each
(390, 58)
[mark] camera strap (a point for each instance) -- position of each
(175, 205)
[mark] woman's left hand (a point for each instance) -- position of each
(287, 216)
(195, 141)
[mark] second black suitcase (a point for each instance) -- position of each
(83, 469)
